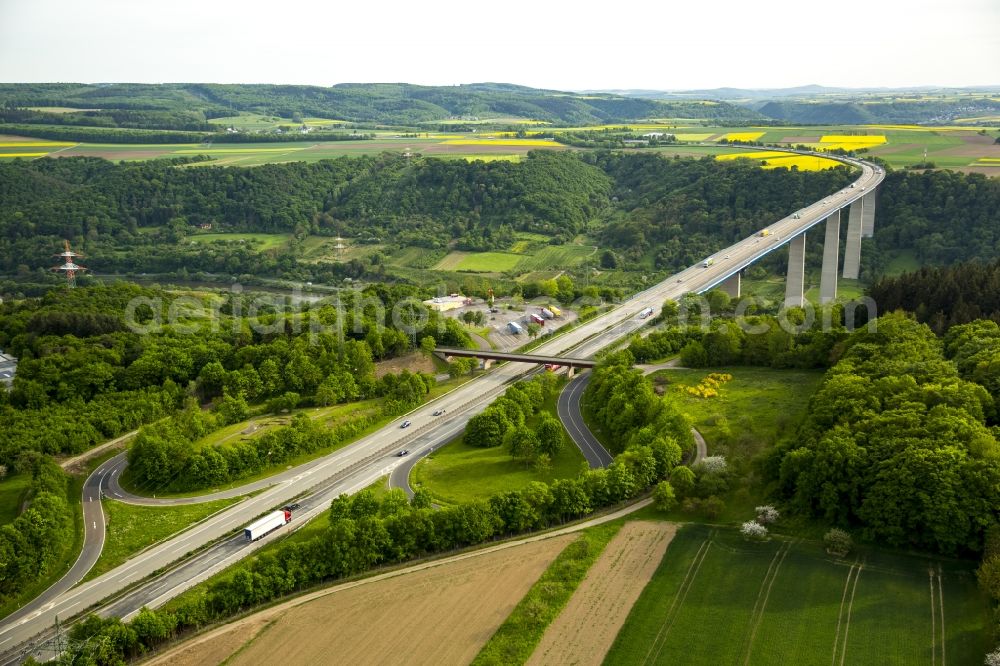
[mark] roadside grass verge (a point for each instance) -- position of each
(12, 491)
(459, 472)
(132, 528)
(517, 637)
(718, 599)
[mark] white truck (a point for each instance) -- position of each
(266, 525)
(708, 262)
(648, 312)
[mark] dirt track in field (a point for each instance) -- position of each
(584, 631)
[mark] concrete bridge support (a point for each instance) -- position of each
(831, 259)
(732, 285)
(852, 252)
(868, 215)
(571, 372)
(795, 282)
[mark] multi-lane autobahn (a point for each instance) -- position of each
(373, 456)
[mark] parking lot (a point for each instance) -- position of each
(500, 334)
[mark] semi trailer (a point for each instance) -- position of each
(266, 525)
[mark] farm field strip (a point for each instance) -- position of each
(716, 599)
(585, 629)
(449, 612)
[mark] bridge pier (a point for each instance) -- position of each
(487, 363)
(731, 285)
(831, 259)
(868, 215)
(795, 282)
(571, 372)
(852, 252)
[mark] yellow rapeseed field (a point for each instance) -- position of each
(803, 162)
(744, 136)
(752, 155)
(866, 140)
(22, 154)
(492, 158)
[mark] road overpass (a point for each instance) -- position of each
(488, 355)
(371, 457)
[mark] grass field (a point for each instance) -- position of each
(751, 413)
(458, 472)
(131, 528)
(12, 491)
(902, 261)
(772, 288)
(718, 600)
(260, 241)
(525, 255)
(479, 262)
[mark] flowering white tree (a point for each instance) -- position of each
(767, 514)
(753, 531)
(713, 464)
(993, 658)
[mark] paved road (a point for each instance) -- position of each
(370, 453)
(569, 410)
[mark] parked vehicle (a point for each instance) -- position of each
(648, 312)
(537, 319)
(547, 313)
(266, 525)
(556, 312)
(515, 328)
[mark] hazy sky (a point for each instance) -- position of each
(563, 45)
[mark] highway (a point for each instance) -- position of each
(373, 456)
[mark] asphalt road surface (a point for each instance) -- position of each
(372, 456)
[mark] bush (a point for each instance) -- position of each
(838, 542)
(664, 497)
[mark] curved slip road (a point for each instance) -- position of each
(373, 454)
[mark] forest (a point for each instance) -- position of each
(942, 297)
(86, 376)
(185, 105)
(902, 410)
(642, 207)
